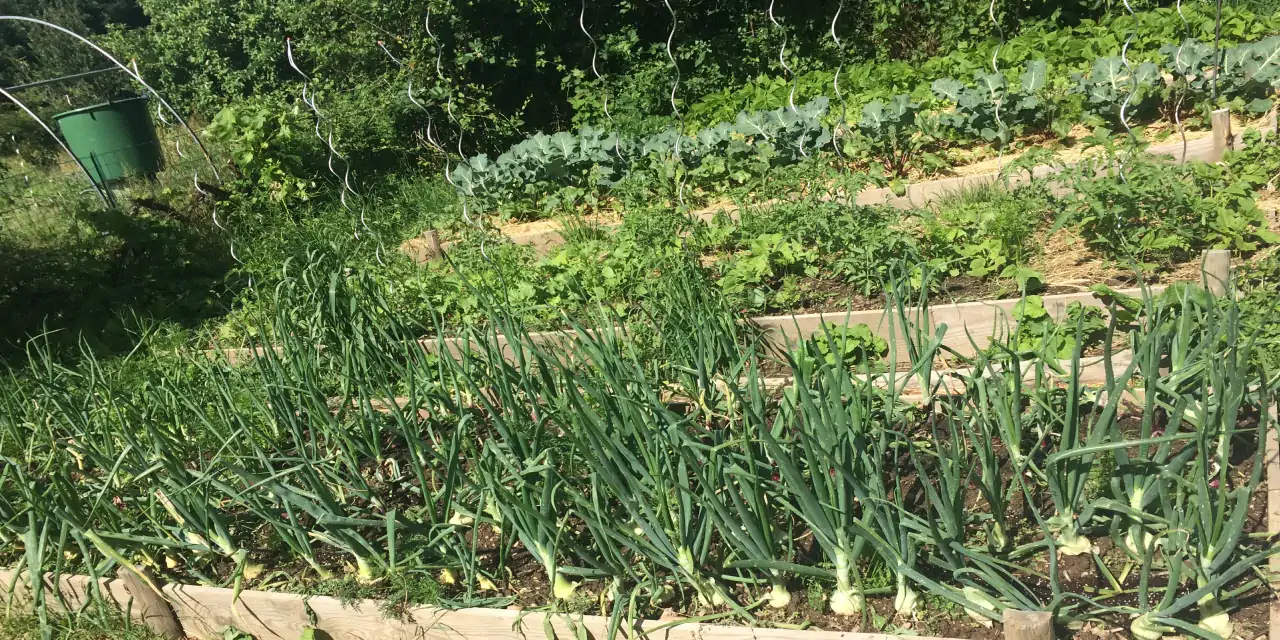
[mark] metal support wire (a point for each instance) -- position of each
(101, 194)
(453, 119)
(73, 76)
(675, 109)
(1217, 49)
(1182, 82)
(231, 242)
(995, 68)
(344, 178)
(604, 90)
(787, 71)
(835, 83)
(1133, 86)
(133, 75)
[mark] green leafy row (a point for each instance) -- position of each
(562, 168)
(895, 135)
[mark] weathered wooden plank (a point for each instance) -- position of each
(205, 612)
(148, 605)
(982, 320)
(785, 331)
(1215, 271)
(1272, 458)
(1028, 625)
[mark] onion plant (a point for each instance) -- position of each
(645, 450)
(813, 444)
(734, 485)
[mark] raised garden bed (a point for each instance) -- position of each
(1134, 398)
(545, 236)
(208, 612)
(979, 321)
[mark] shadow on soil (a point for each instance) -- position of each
(117, 266)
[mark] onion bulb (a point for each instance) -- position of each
(562, 588)
(1213, 618)
(779, 597)
(846, 602)
(1143, 628)
(978, 597)
(1071, 543)
(906, 599)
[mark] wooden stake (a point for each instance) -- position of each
(1273, 514)
(149, 606)
(433, 245)
(1028, 625)
(1215, 271)
(1222, 138)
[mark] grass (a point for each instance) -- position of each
(81, 627)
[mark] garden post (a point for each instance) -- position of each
(1215, 270)
(433, 245)
(1222, 138)
(1028, 625)
(149, 606)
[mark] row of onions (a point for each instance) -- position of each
(650, 462)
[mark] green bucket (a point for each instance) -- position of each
(112, 139)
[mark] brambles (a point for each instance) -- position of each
(270, 148)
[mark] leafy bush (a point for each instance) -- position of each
(976, 105)
(271, 148)
(855, 346)
(1108, 84)
(983, 236)
(1253, 71)
(1037, 332)
(890, 133)
(1258, 282)
(1257, 160)
(768, 257)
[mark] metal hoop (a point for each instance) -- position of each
(133, 75)
(62, 144)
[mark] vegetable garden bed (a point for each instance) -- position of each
(687, 445)
(805, 255)
(208, 612)
(544, 236)
(889, 501)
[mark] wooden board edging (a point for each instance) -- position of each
(948, 382)
(982, 321)
(205, 612)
